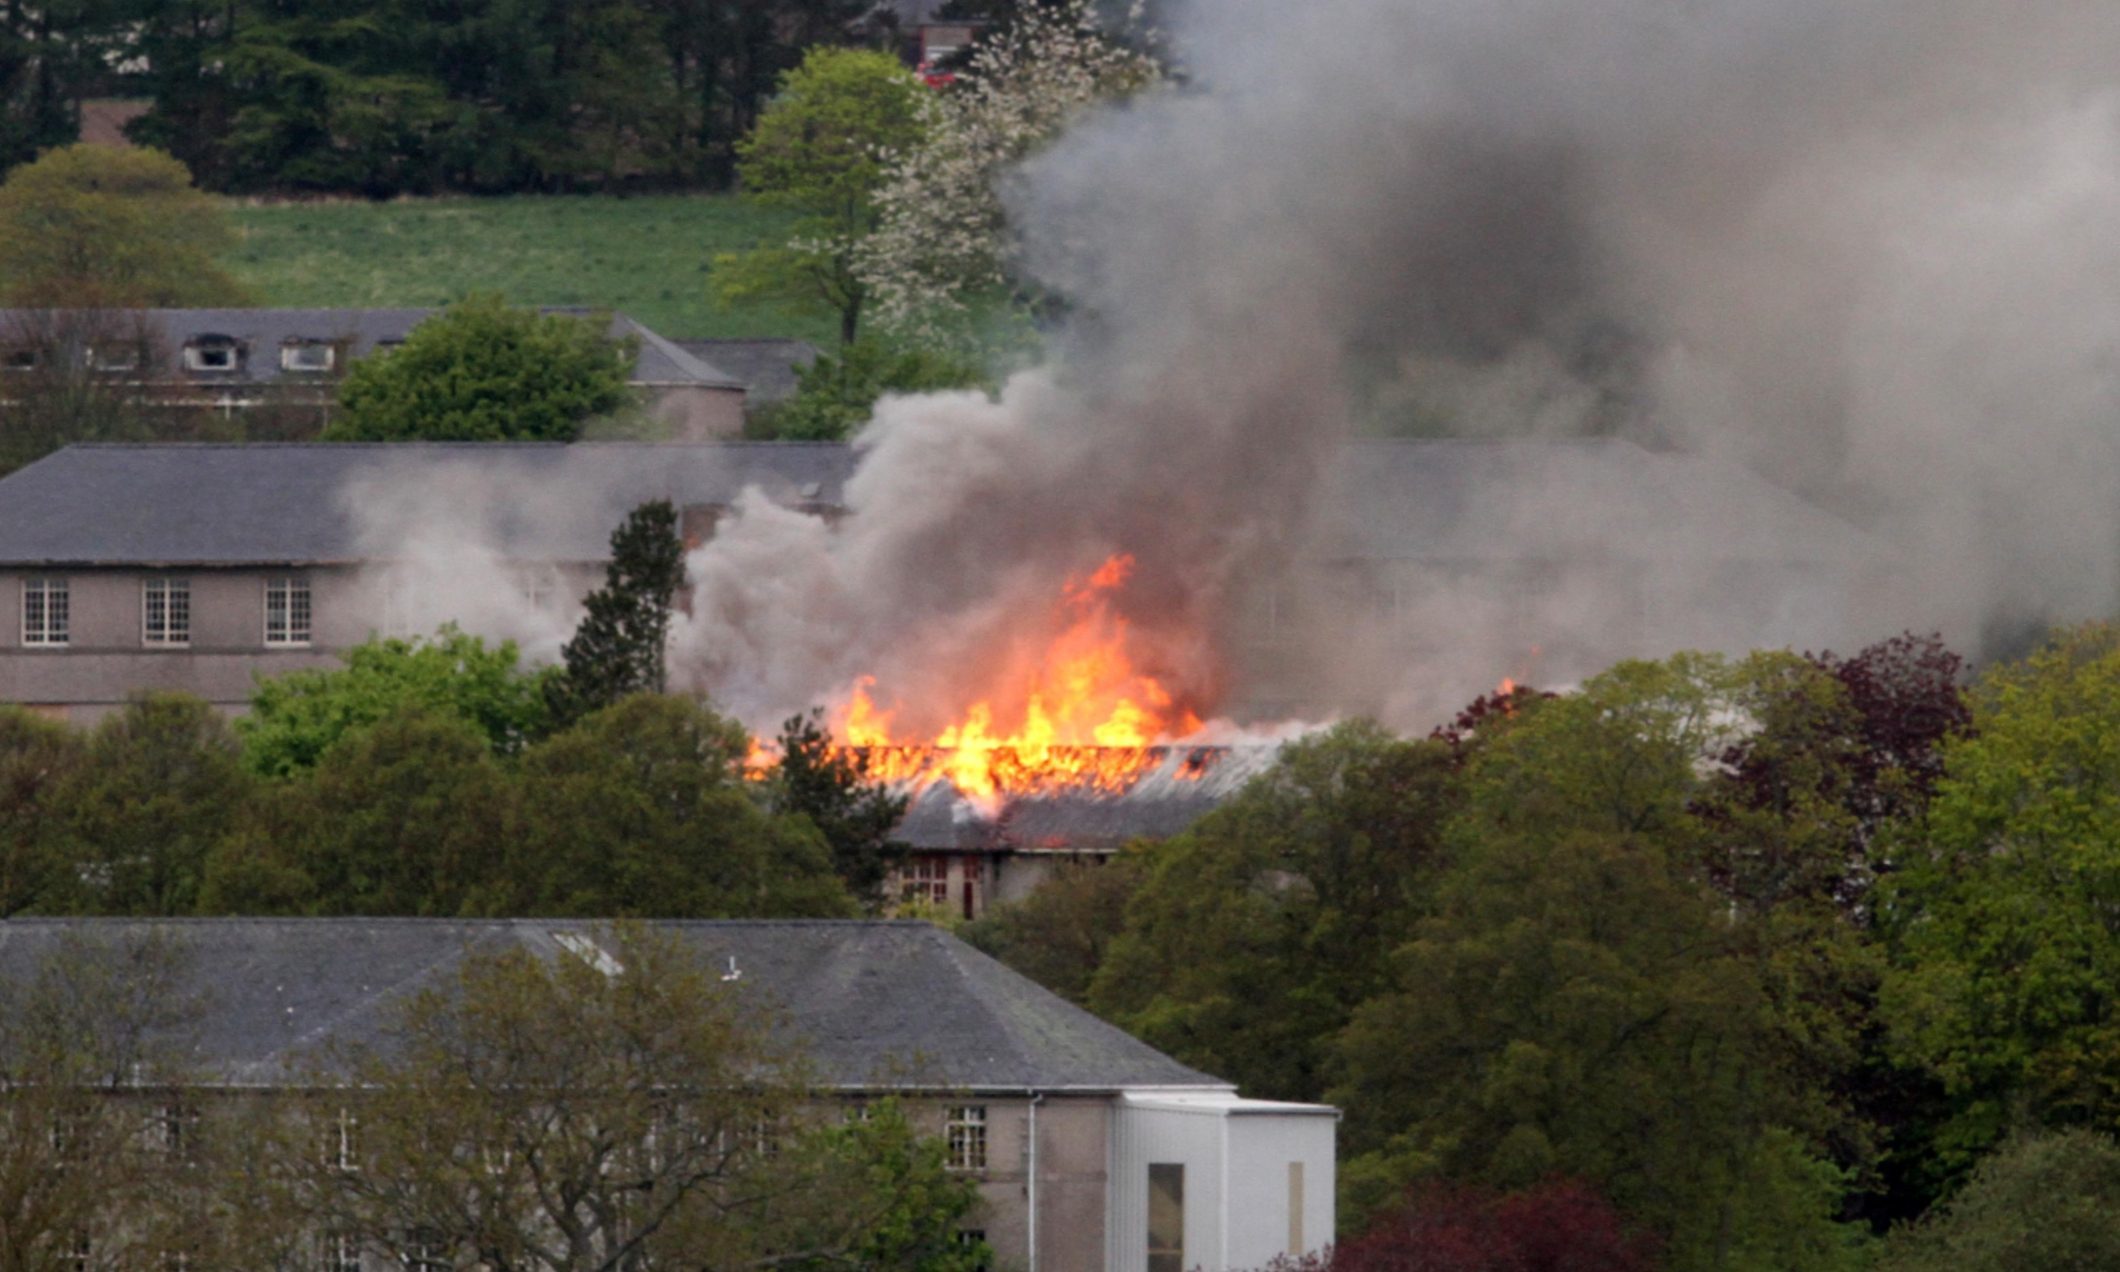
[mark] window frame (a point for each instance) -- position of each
(292, 361)
(964, 1133)
(341, 1147)
(339, 1251)
(925, 879)
(1163, 1256)
(213, 355)
(175, 597)
(47, 633)
(288, 588)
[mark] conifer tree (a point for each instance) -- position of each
(618, 648)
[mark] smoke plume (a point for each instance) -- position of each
(1865, 252)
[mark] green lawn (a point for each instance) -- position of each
(646, 256)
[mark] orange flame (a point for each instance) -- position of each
(1084, 714)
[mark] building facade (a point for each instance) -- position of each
(279, 369)
(1089, 1148)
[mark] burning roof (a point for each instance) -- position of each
(1094, 798)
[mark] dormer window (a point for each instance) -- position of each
(114, 357)
(212, 353)
(311, 357)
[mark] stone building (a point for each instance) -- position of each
(1090, 1148)
(189, 366)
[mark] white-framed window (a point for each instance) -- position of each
(212, 353)
(165, 612)
(424, 1250)
(926, 879)
(177, 1130)
(339, 1252)
(21, 358)
(44, 611)
(308, 356)
(966, 1136)
(341, 1146)
(122, 355)
(287, 611)
(79, 1254)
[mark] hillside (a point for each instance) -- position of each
(648, 256)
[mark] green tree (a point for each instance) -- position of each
(1062, 932)
(97, 227)
(37, 757)
(643, 809)
(1255, 934)
(821, 149)
(295, 718)
(619, 648)
(943, 252)
(160, 783)
(1579, 1007)
(2004, 946)
(837, 393)
(869, 1192)
(2049, 1200)
(481, 371)
(408, 815)
(830, 786)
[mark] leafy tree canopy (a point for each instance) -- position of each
(2049, 1200)
(295, 718)
(1062, 932)
(160, 783)
(482, 371)
(821, 148)
(2002, 910)
(1254, 934)
(101, 227)
(644, 809)
(943, 248)
(837, 393)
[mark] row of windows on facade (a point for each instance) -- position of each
(340, 1146)
(419, 1251)
(174, 1133)
(165, 612)
(204, 353)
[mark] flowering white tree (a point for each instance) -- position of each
(942, 235)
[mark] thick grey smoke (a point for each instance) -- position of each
(1867, 251)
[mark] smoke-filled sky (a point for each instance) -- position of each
(1868, 251)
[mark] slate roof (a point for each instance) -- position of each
(192, 504)
(282, 503)
(766, 367)
(871, 1004)
(263, 331)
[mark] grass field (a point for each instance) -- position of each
(646, 256)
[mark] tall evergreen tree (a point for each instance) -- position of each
(831, 786)
(618, 649)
